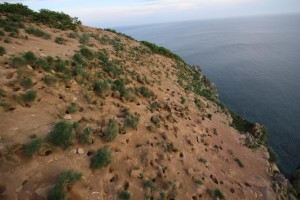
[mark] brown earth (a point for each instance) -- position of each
(168, 153)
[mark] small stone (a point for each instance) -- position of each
(19, 189)
(29, 67)
(68, 117)
(214, 179)
(80, 151)
(116, 94)
(73, 151)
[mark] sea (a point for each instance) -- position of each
(255, 64)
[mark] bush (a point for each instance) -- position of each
(64, 183)
(145, 92)
(119, 86)
(150, 184)
(61, 135)
(29, 96)
(72, 108)
(217, 194)
(111, 69)
(37, 32)
(33, 147)
(161, 50)
(2, 51)
(125, 195)
(87, 53)
(2, 33)
(60, 40)
(239, 162)
(202, 160)
(60, 65)
(273, 156)
(85, 137)
(49, 80)
(84, 39)
(102, 158)
(26, 83)
(100, 87)
(29, 57)
(18, 62)
(130, 119)
(111, 131)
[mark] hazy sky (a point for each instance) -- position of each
(112, 13)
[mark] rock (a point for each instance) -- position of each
(281, 180)
(274, 168)
(29, 67)
(80, 151)
(116, 94)
(136, 173)
(68, 117)
(43, 191)
(73, 151)
(19, 189)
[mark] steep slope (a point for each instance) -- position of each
(133, 118)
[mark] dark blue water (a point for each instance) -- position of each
(255, 63)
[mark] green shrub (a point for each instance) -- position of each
(239, 162)
(29, 96)
(26, 83)
(111, 69)
(145, 92)
(68, 178)
(111, 131)
(85, 137)
(2, 51)
(87, 53)
(100, 87)
(150, 184)
(2, 33)
(199, 182)
(29, 57)
(131, 120)
(57, 193)
(61, 135)
(49, 80)
(125, 195)
(17, 62)
(119, 86)
(33, 147)
(161, 50)
(79, 59)
(84, 39)
(240, 123)
(64, 183)
(72, 108)
(217, 194)
(202, 160)
(73, 35)
(273, 156)
(60, 65)
(60, 40)
(153, 105)
(102, 158)
(15, 18)
(37, 32)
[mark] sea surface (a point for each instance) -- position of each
(255, 64)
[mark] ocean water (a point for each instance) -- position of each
(255, 64)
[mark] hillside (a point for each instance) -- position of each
(88, 113)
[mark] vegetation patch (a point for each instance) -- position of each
(64, 183)
(217, 193)
(26, 83)
(29, 96)
(102, 158)
(72, 108)
(85, 136)
(239, 162)
(38, 32)
(131, 120)
(2, 51)
(61, 135)
(100, 87)
(125, 195)
(145, 92)
(111, 130)
(49, 80)
(33, 147)
(60, 40)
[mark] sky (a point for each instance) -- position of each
(116, 13)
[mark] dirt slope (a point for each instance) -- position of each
(182, 147)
